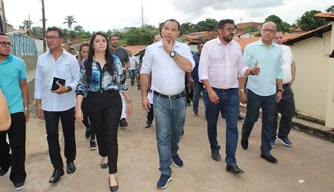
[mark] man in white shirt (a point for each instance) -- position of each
(133, 67)
(168, 60)
(287, 105)
(60, 103)
(220, 64)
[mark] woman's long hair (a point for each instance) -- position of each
(91, 53)
(83, 44)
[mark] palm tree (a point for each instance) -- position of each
(330, 9)
(69, 20)
(27, 24)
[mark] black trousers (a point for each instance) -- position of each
(105, 112)
(287, 109)
(52, 122)
(150, 115)
(86, 121)
(17, 142)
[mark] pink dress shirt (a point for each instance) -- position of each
(221, 64)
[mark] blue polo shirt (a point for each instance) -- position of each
(270, 62)
(12, 70)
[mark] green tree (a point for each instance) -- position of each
(251, 29)
(207, 25)
(27, 24)
(37, 31)
(139, 36)
(69, 20)
(308, 21)
(330, 9)
(187, 27)
(280, 24)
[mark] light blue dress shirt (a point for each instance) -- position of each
(270, 62)
(66, 67)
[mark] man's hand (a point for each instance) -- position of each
(40, 112)
(168, 47)
(61, 89)
(79, 116)
(256, 69)
(279, 96)
(129, 109)
(191, 83)
(146, 104)
(213, 97)
(26, 115)
(242, 97)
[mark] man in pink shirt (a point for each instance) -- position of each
(220, 64)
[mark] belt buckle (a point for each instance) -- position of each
(171, 97)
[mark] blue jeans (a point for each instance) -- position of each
(254, 103)
(197, 89)
(132, 73)
(169, 120)
(229, 100)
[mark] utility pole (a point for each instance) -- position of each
(44, 29)
(142, 14)
(4, 18)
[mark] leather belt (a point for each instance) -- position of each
(170, 97)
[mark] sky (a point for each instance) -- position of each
(102, 15)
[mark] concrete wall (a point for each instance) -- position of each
(311, 84)
(30, 62)
(330, 93)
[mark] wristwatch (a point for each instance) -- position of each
(241, 90)
(280, 90)
(69, 89)
(172, 54)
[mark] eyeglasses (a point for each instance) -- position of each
(51, 38)
(6, 44)
(230, 29)
(269, 30)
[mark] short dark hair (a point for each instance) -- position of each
(3, 34)
(221, 23)
(173, 20)
(113, 35)
(200, 44)
(60, 31)
(72, 48)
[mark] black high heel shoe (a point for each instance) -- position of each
(113, 188)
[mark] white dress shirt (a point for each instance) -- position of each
(167, 77)
(66, 67)
(221, 64)
(288, 60)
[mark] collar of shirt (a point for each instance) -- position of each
(273, 44)
(220, 43)
(9, 59)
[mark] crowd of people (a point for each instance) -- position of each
(92, 89)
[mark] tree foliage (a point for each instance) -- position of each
(280, 24)
(330, 9)
(69, 20)
(308, 21)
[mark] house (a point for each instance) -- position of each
(241, 27)
(314, 84)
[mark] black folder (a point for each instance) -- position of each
(60, 81)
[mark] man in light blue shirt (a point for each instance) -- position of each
(53, 105)
(261, 89)
(13, 84)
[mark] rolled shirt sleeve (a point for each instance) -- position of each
(75, 72)
(279, 66)
(38, 81)
(147, 61)
(204, 61)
